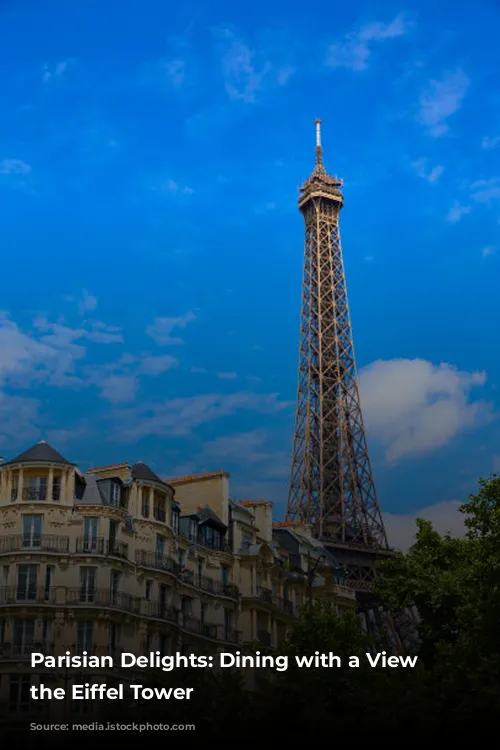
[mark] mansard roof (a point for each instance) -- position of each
(140, 470)
(41, 452)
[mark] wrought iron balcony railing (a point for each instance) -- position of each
(26, 594)
(218, 587)
(84, 596)
(24, 648)
(157, 561)
(117, 549)
(160, 610)
(26, 542)
(91, 545)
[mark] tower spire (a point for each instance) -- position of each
(319, 148)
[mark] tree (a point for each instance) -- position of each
(455, 585)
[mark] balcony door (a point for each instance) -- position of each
(24, 636)
(87, 584)
(26, 582)
(32, 530)
(36, 489)
(90, 540)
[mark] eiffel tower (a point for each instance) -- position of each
(331, 483)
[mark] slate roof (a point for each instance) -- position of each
(206, 514)
(140, 470)
(91, 493)
(42, 452)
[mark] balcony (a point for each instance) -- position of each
(90, 597)
(264, 637)
(117, 549)
(25, 649)
(91, 545)
(217, 587)
(232, 636)
(160, 610)
(157, 561)
(267, 596)
(26, 595)
(28, 543)
(188, 622)
(209, 631)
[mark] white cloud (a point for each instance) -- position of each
(484, 191)
(14, 166)
(431, 174)
(175, 71)
(456, 212)
(487, 251)
(117, 388)
(413, 406)
(157, 365)
(445, 517)
(489, 142)
(354, 51)
(180, 416)
(51, 72)
(20, 419)
(87, 303)
(442, 99)
(248, 71)
(227, 375)
(161, 328)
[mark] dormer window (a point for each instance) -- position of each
(192, 530)
(175, 520)
(115, 494)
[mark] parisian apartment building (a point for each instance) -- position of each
(119, 559)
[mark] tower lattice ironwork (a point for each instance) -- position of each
(331, 484)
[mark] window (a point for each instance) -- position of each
(113, 530)
(145, 505)
(175, 520)
(193, 530)
(87, 584)
(26, 582)
(200, 568)
(203, 612)
(90, 530)
(165, 643)
(160, 546)
(36, 489)
(224, 575)
(84, 635)
(114, 637)
(19, 693)
(114, 585)
(56, 489)
(246, 541)
(115, 494)
(24, 636)
(15, 489)
(164, 599)
(49, 573)
(228, 623)
(32, 531)
(5, 575)
(149, 587)
(186, 605)
(182, 559)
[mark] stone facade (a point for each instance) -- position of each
(118, 559)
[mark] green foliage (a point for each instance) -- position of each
(454, 584)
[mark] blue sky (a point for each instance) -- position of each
(152, 248)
